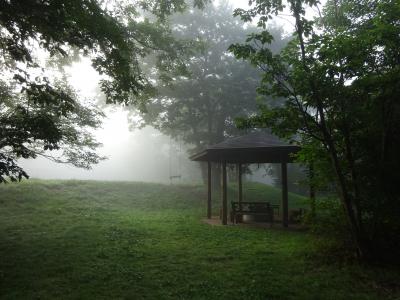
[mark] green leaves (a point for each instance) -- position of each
(10, 170)
(199, 108)
(39, 114)
(339, 77)
(242, 51)
(115, 40)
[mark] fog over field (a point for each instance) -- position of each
(132, 154)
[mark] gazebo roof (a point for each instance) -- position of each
(258, 147)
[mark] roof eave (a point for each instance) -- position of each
(199, 155)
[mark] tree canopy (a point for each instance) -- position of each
(40, 113)
(340, 78)
(200, 108)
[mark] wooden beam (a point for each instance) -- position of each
(209, 212)
(224, 195)
(239, 166)
(285, 204)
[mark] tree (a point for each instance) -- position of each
(199, 109)
(340, 77)
(37, 111)
(29, 129)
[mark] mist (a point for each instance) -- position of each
(143, 155)
(132, 154)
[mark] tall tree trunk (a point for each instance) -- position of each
(347, 201)
(312, 192)
(344, 194)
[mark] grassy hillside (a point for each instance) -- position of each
(106, 240)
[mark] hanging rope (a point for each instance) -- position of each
(177, 152)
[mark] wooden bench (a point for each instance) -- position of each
(252, 208)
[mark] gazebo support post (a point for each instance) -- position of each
(285, 205)
(239, 166)
(209, 190)
(224, 195)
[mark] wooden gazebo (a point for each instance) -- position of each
(248, 149)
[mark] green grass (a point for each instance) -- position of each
(106, 240)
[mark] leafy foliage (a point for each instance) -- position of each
(339, 77)
(37, 111)
(200, 108)
(29, 129)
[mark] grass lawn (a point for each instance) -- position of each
(106, 240)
